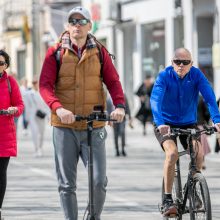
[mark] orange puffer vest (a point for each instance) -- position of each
(79, 87)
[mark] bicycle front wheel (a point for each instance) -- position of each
(199, 199)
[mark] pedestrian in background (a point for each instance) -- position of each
(73, 88)
(120, 128)
(144, 113)
(217, 142)
(203, 118)
(36, 114)
(24, 89)
(10, 100)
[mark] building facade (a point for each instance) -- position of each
(29, 27)
(14, 34)
(144, 33)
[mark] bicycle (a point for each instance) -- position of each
(194, 197)
(97, 115)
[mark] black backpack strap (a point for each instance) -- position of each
(99, 46)
(101, 61)
(9, 85)
(57, 55)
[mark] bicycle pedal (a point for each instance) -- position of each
(160, 208)
(172, 215)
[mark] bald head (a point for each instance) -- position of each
(182, 52)
(182, 61)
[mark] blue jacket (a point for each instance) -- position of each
(175, 100)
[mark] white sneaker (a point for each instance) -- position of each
(25, 132)
(39, 153)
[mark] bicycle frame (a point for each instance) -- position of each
(187, 190)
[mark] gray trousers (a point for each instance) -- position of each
(69, 145)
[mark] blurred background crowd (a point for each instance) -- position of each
(142, 34)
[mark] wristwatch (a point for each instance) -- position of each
(120, 106)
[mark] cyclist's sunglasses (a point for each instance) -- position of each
(81, 22)
(184, 62)
(2, 63)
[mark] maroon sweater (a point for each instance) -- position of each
(49, 72)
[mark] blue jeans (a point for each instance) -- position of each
(69, 145)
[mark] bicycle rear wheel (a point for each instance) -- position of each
(199, 199)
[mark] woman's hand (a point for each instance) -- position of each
(12, 110)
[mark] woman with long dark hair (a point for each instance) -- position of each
(11, 105)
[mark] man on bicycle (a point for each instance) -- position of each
(174, 101)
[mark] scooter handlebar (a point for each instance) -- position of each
(94, 117)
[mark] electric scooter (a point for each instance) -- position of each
(98, 114)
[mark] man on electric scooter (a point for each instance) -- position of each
(73, 86)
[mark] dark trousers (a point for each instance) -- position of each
(217, 147)
(119, 131)
(3, 177)
(24, 121)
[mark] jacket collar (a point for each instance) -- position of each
(67, 44)
(3, 75)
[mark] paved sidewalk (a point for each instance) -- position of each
(134, 187)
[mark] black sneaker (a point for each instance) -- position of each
(124, 153)
(169, 208)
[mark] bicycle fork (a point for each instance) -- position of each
(187, 191)
(182, 194)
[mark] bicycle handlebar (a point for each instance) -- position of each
(193, 131)
(4, 112)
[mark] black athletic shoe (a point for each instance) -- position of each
(169, 208)
(124, 153)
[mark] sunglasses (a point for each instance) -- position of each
(81, 22)
(184, 62)
(2, 63)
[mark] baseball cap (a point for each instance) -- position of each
(80, 10)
